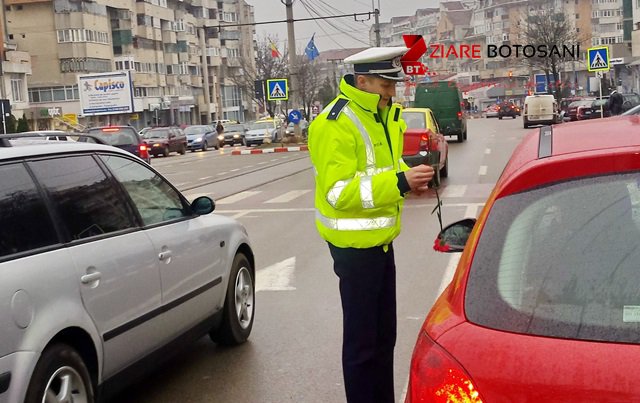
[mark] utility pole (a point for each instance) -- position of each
(291, 38)
(376, 13)
(205, 76)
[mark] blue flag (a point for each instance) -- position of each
(311, 51)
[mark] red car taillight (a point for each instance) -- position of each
(436, 377)
(428, 141)
(459, 115)
(143, 150)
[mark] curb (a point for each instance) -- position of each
(270, 150)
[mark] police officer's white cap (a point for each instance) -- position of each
(383, 62)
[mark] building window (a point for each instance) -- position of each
(48, 94)
(16, 88)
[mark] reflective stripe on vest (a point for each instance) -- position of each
(356, 224)
(366, 186)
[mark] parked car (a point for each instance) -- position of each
(630, 100)
(507, 109)
(304, 128)
(201, 137)
(580, 110)
(600, 104)
(107, 268)
(123, 137)
(233, 134)
(543, 303)
(423, 141)
(564, 105)
(491, 111)
(539, 110)
(633, 111)
(445, 101)
(165, 140)
(259, 131)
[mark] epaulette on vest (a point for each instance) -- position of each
(337, 108)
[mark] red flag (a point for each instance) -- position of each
(274, 50)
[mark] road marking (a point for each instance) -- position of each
(313, 210)
(276, 277)
(237, 197)
(483, 170)
(454, 191)
(471, 211)
(287, 197)
(448, 272)
(241, 214)
(221, 173)
(194, 196)
(234, 170)
(263, 162)
(205, 178)
(487, 151)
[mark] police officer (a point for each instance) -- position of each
(361, 181)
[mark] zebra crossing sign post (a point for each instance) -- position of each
(277, 89)
(598, 59)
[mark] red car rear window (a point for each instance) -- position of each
(561, 261)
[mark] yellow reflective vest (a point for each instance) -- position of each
(356, 154)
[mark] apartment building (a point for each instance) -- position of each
(158, 41)
(611, 23)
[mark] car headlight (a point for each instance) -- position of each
(235, 136)
(221, 137)
(198, 140)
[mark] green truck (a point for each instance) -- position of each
(445, 100)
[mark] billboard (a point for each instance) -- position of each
(106, 93)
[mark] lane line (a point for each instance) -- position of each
(287, 197)
(487, 151)
(483, 170)
(454, 191)
(238, 196)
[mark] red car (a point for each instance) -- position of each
(545, 302)
(424, 142)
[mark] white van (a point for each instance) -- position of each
(539, 110)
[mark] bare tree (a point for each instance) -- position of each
(542, 25)
(309, 82)
(266, 67)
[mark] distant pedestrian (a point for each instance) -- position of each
(219, 128)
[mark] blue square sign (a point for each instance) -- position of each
(277, 89)
(598, 59)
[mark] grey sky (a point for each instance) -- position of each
(334, 33)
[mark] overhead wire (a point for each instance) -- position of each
(312, 10)
(330, 10)
(304, 4)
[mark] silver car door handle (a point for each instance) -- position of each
(91, 277)
(164, 255)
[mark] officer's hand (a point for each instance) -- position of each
(418, 178)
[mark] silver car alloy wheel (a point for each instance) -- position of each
(244, 297)
(65, 386)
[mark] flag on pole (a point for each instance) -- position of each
(311, 50)
(274, 50)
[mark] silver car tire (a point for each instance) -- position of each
(60, 376)
(239, 306)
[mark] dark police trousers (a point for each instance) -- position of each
(368, 292)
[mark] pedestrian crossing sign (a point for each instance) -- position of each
(277, 89)
(598, 59)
